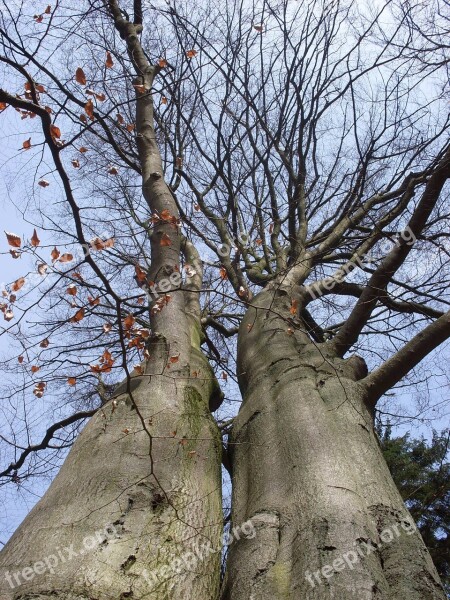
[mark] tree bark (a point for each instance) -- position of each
(142, 486)
(143, 480)
(309, 472)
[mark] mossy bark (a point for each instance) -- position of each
(142, 486)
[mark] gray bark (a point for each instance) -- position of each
(309, 472)
(147, 466)
(128, 473)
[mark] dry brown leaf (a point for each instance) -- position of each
(55, 254)
(55, 132)
(42, 268)
(89, 109)
(80, 77)
(35, 241)
(13, 239)
(109, 63)
(19, 283)
(78, 316)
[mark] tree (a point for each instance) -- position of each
(421, 472)
(298, 146)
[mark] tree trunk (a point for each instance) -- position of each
(309, 472)
(140, 488)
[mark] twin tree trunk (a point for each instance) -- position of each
(307, 470)
(141, 487)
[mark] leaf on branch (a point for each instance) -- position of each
(80, 77)
(19, 283)
(35, 241)
(259, 27)
(163, 100)
(128, 322)
(72, 290)
(20, 359)
(78, 316)
(3, 105)
(15, 253)
(140, 89)
(96, 244)
(223, 273)
(94, 301)
(35, 369)
(27, 144)
(55, 132)
(113, 170)
(65, 258)
(162, 63)
(89, 109)
(224, 376)
(55, 254)
(191, 53)
(39, 389)
(165, 240)
(131, 127)
(71, 380)
(83, 118)
(38, 18)
(13, 240)
(48, 10)
(45, 343)
(8, 315)
(109, 63)
(43, 183)
(120, 119)
(141, 276)
(99, 244)
(42, 268)
(75, 163)
(107, 327)
(139, 369)
(83, 149)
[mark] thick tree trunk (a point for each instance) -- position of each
(140, 488)
(309, 472)
(136, 511)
